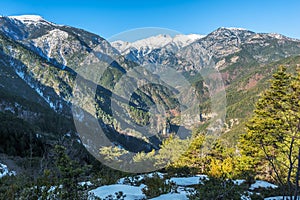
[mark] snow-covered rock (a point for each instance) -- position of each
(280, 198)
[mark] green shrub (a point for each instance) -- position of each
(156, 186)
(218, 189)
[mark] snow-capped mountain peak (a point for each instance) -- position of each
(234, 28)
(155, 42)
(28, 18)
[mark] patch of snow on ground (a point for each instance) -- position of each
(68, 134)
(85, 183)
(4, 171)
(131, 192)
(262, 184)
(186, 181)
(280, 198)
(171, 196)
(238, 181)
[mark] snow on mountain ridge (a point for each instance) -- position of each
(195, 36)
(281, 37)
(186, 39)
(154, 42)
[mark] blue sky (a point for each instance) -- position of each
(107, 18)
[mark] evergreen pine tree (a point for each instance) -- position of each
(273, 131)
(69, 173)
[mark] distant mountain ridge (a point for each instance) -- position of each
(146, 45)
(219, 43)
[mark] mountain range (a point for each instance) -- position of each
(43, 66)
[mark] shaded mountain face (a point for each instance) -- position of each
(43, 66)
